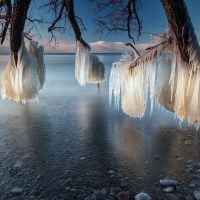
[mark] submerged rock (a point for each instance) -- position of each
(188, 142)
(18, 165)
(196, 194)
(123, 196)
(168, 182)
(82, 158)
(115, 190)
(169, 189)
(25, 156)
(142, 196)
(157, 157)
(97, 195)
(17, 190)
(171, 196)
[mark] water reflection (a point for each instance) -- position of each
(153, 156)
(38, 132)
(96, 70)
(73, 133)
(92, 115)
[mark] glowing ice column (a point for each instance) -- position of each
(82, 63)
(187, 98)
(164, 91)
(22, 81)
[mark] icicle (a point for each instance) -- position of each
(163, 89)
(132, 87)
(82, 63)
(175, 84)
(181, 91)
(22, 82)
(151, 76)
(134, 93)
(173, 72)
(193, 99)
(96, 70)
(118, 75)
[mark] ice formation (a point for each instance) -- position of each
(159, 74)
(22, 81)
(82, 63)
(96, 70)
(88, 67)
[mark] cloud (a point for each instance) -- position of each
(107, 47)
(70, 47)
(97, 47)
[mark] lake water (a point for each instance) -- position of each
(72, 142)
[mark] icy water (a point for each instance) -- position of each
(72, 142)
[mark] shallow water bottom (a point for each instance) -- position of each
(72, 142)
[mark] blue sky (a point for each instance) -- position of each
(152, 15)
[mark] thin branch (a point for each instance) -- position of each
(82, 24)
(35, 20)
(139, 23)
(158, 35)
(58, 18)
(136, 51)
(129, 18)
(117, 16)
(151, 53)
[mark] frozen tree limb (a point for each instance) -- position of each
(57, 18)
(69, 4)
(17, 26)
(181, 25)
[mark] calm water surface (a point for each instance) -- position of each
(72, 141)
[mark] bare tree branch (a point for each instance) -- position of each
(58, 18)
(18, 19)
(72, 19)
(129, 18)
(117, 16)
(7, 18)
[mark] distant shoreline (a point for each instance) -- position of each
(74, 53)
(4, 54)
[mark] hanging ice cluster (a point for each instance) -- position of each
(82, 63)
(160, 74)
(131, 87)
(88, 67)
(22, 81)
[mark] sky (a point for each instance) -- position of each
(151, 13)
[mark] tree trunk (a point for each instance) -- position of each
(181, 25)
(8, 15)
(17, 26)
(69, 4)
